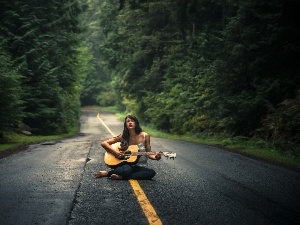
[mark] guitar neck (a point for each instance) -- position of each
(142, 153)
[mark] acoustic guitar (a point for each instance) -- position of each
(131, 155)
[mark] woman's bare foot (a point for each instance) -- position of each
(116, 177)
(101, 174)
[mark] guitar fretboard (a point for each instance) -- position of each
(140, 153)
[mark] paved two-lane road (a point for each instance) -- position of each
(55, 184)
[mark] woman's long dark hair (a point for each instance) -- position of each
(138, 129)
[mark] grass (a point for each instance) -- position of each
(16, 140)
(253, 148)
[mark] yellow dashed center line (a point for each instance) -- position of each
(98, 116)
(145, 204)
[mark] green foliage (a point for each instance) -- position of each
(97, 81)
(11, 105)
(107, 99)
(281, 126)
(44, 40)
(202, 66)
(185, 67)
(248, 77)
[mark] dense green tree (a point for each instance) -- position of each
(249, 72)
(97, 85)
(202, 66)
(10, 93)
(43, 37)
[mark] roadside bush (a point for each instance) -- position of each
(281, 127)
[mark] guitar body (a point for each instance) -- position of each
(131, 155)
(130, 158)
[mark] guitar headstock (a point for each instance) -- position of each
(169, 155)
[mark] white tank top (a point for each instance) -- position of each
(143, 159)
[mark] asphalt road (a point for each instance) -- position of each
(54, 184)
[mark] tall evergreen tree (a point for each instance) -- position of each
(43, 36)
(10, 93)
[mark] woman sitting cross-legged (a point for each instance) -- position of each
(132, 135)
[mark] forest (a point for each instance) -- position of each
(199, 67)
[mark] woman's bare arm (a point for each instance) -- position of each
(157, 156)
(107, 145)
